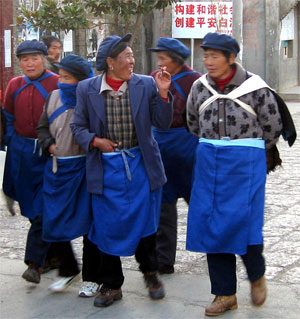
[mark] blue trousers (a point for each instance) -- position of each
(222, 269)
(111, 274)
(36, 248)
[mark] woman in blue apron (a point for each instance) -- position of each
(226, 209)
(177, 146)
(113, 122)
(24, 164)
(67, 204)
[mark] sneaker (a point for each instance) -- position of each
(88, 289)
(154, 285)
(32, 273)
(220, 305)
(107, 296)
(63, 283)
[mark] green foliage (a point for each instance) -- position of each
(72, 14)
(52, 17)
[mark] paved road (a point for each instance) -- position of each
(281, 231)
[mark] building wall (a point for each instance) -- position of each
(289, 64)
(6, 21)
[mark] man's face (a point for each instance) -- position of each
(54, 51)
(32, 65)
(217, 65)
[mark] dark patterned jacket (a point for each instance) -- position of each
(224, 117)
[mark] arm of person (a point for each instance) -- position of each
(80, 122)
(161, 108)
(8, 113)
(46, 140)
(192, 112)
(268, 116)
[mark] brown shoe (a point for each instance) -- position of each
(32, 273)
(107, 296)
(259, 291)
(220, 305)
(155, 286)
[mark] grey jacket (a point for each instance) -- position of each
(59, 132)
(234, 121)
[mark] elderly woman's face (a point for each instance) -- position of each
(121, 67)
(163, 60)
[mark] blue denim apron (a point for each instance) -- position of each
(226, 209)
(177, 147)
(127, 210)
(23, 174)
(67, 210)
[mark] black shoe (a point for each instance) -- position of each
(32, 273)
(107, 296)
(154, 285)
(165, 269)
(49, 265)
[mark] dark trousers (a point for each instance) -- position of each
(111, 274)
(67, 261)
(68, 266)
(91, 261)
(222, 269)
(166, 239)
(36, 249)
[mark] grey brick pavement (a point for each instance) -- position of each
(281, 231)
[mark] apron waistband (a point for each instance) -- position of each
(123, 154)
(249, 142)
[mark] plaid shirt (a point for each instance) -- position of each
(119, 122)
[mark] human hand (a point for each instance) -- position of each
(163, 81)
(104, 145)
(52, 148)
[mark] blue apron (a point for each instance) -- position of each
(177, 147)
(127, 210)
(23, 174)
(9, 185)
(67, 206)
(226, 209)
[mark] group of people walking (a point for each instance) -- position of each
(107, 157)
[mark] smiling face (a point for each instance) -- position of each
(66, 77)
(121, 67)
(217, 65)
(164, 60)
(32, 65)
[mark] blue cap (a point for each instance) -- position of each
(221, 41)
(170, 44)
(75, 64)
(106, 48)
(31, 46)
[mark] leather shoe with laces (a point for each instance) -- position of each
(258, 291)
(220, 305)
(154, 285)
(107, 296)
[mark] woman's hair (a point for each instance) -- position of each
(226, 54)
(120, 47)
(175, 57)
(79, 77)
